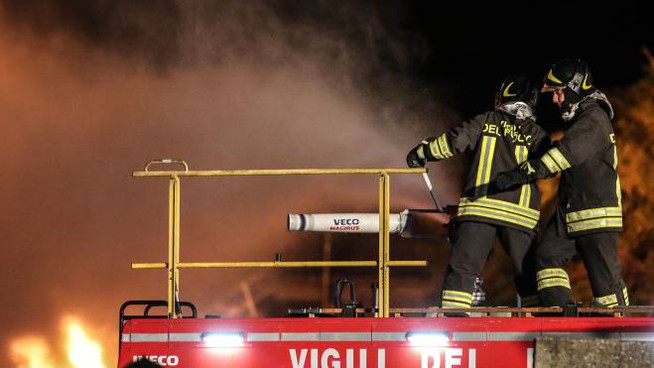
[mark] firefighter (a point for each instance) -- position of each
(588, 216)
(500, 140)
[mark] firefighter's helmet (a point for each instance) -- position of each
(517, 88)
(571, 73)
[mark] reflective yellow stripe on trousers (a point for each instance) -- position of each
(552, 277)
(456, 299)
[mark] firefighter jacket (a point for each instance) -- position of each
(499, 142)
(589, 198)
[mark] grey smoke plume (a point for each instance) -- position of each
(91, 90)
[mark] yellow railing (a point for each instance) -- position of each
(173, 265)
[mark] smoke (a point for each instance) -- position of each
(92, 90)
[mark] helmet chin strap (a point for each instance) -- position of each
(569, 108)
(569, 112)
(570, 104)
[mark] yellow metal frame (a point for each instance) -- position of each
(173, 265)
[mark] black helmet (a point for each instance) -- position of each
(570, 73)
(516, 88)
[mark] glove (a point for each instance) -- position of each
(524, 174)
(413, 159)
(509, 180)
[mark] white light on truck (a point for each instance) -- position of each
(427, 338)
(223, 339)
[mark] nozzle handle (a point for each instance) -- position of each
(430, 187)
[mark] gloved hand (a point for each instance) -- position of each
(509, 180)
(413, 159)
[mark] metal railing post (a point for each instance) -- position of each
(384, 243)
(173, 246)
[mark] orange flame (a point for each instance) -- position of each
(82, 352)
(79, 349)
(31, 352)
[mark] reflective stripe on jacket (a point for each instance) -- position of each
(499, 142)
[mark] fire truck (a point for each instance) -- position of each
(170, 333)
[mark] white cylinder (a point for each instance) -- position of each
(345, 222)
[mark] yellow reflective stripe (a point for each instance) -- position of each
(594, 224)
(555, 282)
(609, 301)
(618, 191)
(556, 164)
(555, 161)
(593, 213)
(485, 160)
(497, 215)
(502, 205)
(435, 151)
(490, 160)
(525, 195)
(625, 295)
(521, 154)
(480, 165)
(444, 146)
(525, 192)
(457, 294)
(457, 299)
(551, 277)
(551, 272)
(549, 163)
(449, 304)
(559, 158)
(499, 210)
(594, 218)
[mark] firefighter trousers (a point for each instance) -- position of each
(471, 245)
(599, 253)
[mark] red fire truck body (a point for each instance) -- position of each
(360, 342)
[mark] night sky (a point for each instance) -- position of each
(92, 90)
(471, 52)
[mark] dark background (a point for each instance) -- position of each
(471, 50)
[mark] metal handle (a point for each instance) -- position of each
(167, 161)
(430, 187)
